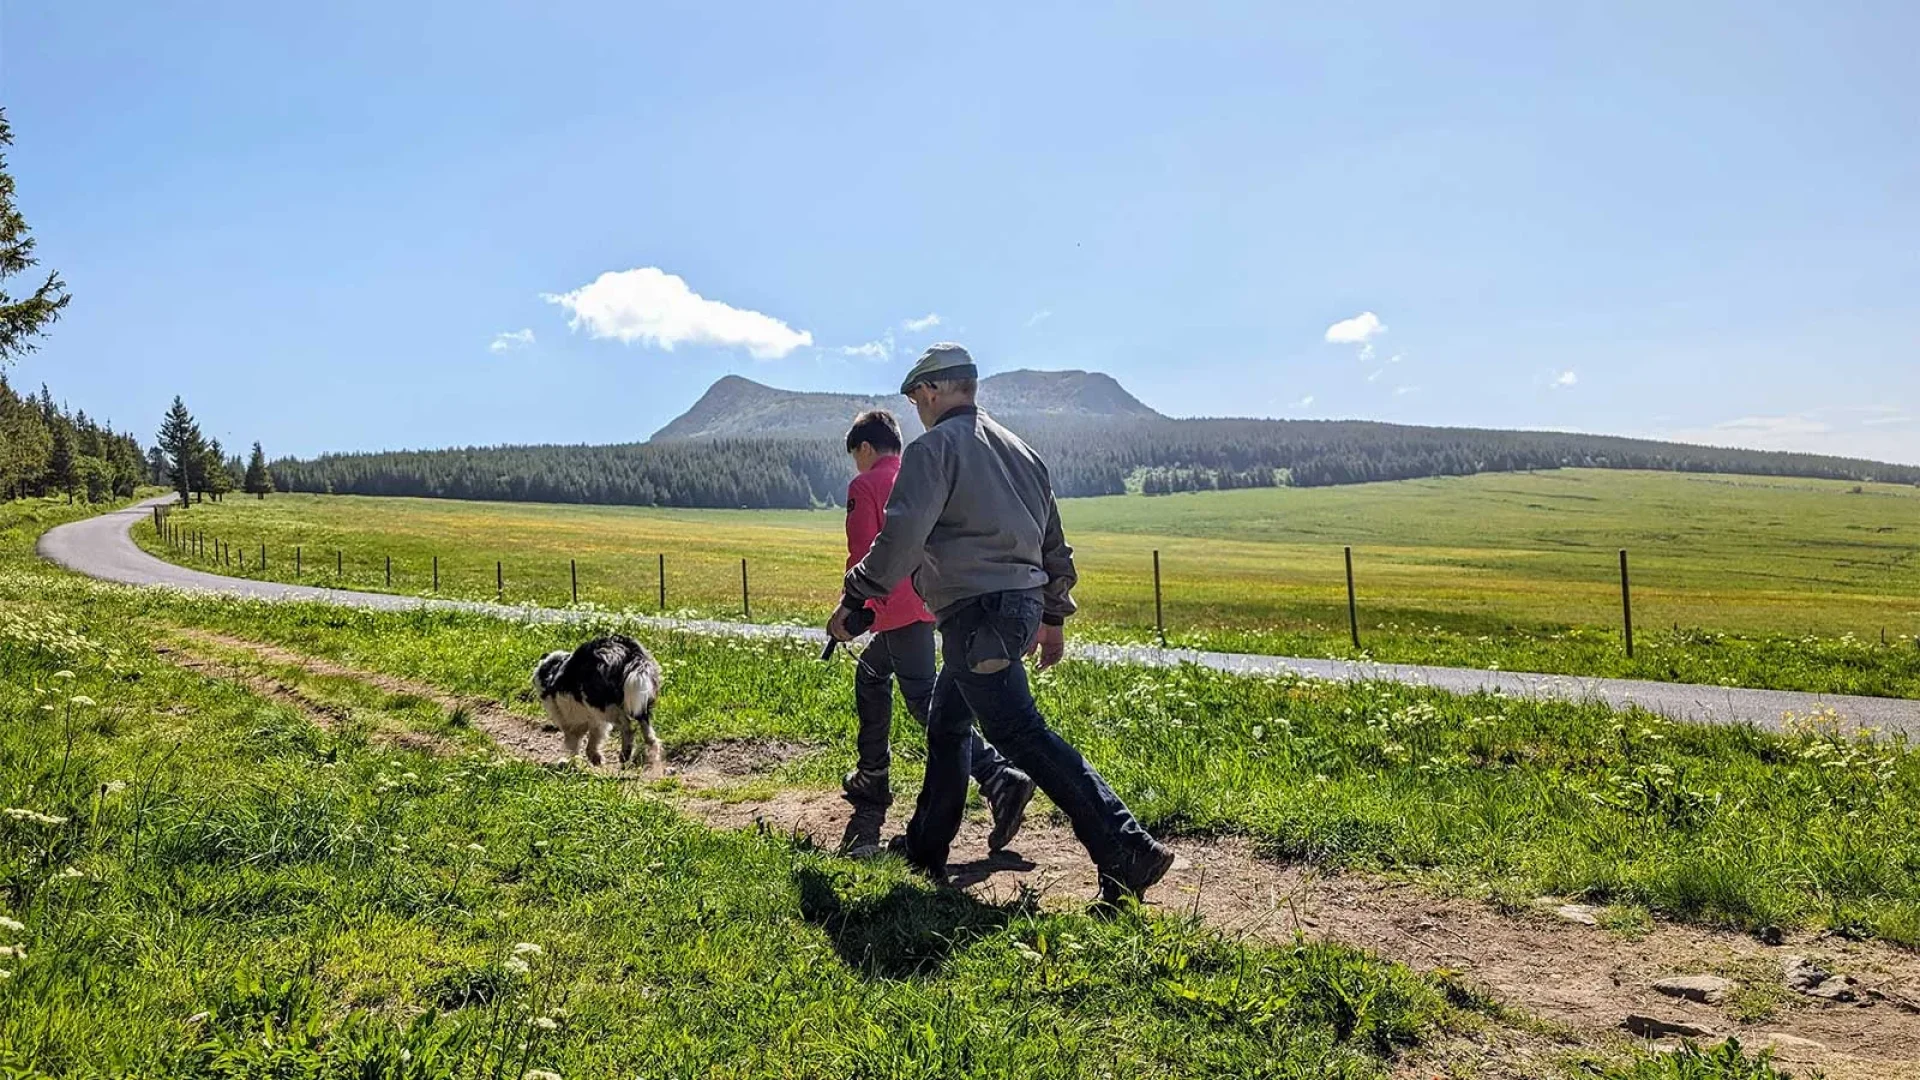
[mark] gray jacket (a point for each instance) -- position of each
(972, 513)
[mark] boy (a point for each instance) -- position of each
(902, 648)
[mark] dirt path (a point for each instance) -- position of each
(1583, 978)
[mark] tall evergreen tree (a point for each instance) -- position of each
(259, 482)
(27, 317)
(214, 470)
(184, 447)
(62, 472)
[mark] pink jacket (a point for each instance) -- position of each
(866, 512)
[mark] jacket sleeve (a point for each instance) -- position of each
(864, 517)
(919, 497)
(1056, 558)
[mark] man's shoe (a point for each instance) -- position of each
(1008, 800)
(868, 788)
(936, 872)
(1141, 872)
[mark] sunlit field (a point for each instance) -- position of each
(1741, 580)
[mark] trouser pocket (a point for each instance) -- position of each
(1004, 624)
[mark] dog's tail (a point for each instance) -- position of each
(642, 688)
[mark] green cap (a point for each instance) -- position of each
(939, 363)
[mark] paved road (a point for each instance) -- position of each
(102, 547)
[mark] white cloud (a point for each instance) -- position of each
(1374, 376)
(926, 322)
(509, 340)
(651, 306)
(872, 350)
(1039, 317)
(1303, 402)
(1565, 378)
(1399, 390)
(1357, 330)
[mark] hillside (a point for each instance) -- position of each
(745, 444)
(736, 407)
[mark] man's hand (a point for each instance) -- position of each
(837, 626)
(1050, 643)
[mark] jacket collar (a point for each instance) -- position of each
(886, 465)
(957, 410)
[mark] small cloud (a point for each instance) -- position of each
(1565, 378)
(1374, 376)
(1039, 317)
(1399, 390)
(1394, 359)
(510, 340)
(1773, 427)
(1303, 403)
(1357, 330)
(872, 350)
(651, 306)
(925, 322)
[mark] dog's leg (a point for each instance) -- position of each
(656, 758)
(626, 738)
(572, 739)
(596, 734)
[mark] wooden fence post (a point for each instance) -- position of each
(499, 581)
(663, 581)
(336, 562)
(1353, 608)
(1159, 618)
(389, 571)
(263, 558)
(573, 572)
(746, 609)
(296, 560)
(436, 573)
(1626, 602)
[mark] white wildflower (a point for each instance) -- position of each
(516, 966)
(540, 1074)
(113, 787)
(477, 848)
(63, 673)
(547, 1023)
(70, 872)
(81, 700)
(527, 948)
(18, 952)
(12, 926)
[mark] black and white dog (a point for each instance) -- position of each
(610, 682)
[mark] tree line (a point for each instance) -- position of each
(1085, 456)
(47, 450)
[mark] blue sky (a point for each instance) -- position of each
(354, 226)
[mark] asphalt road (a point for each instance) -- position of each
(102, 547)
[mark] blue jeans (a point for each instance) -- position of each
(1004, 705)
(904, 655)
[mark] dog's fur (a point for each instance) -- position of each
(609, 683)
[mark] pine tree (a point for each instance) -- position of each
(185, 448)
(213, 470)
(26, 318)
(62, 473)
(259, 482)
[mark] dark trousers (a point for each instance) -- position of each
(905, 655)
(1004, 705)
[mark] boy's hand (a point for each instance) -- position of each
(1050, 643)
(837, 626)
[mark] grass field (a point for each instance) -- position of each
(1778, 583)
(207, 884)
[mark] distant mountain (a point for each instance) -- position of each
(745, 444)
(736, 407)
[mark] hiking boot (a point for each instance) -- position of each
(936, 872)
(865, 787)
(1141, 872)
(1008, 799)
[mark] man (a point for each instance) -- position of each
(972, 517)
(902, 648)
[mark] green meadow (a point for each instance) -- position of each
(203, 883)
(1779, 583)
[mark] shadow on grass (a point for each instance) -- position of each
(906, 931)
